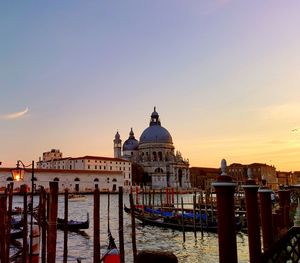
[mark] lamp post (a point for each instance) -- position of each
(18, 175)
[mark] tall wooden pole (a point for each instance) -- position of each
(25, 223)
(225, 189)
(182, 220)
(194, 218)
(10, 199)
(65, 256)
(96, 225)
(121, 226)
(52, 223)
(3, 226)
(253, 223)
(132, 210)
(266, 216)
(43, 223)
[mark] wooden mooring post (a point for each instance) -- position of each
(43, 203)
(253, 222)
(121, 226)
(132, 210)
(25, 224)
(52, 223)
(3, 226)
(266, 216)
(96, 225)
(182, 220)
(225, 189)
(9, 212)
(65, 256)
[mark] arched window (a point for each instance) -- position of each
(56, 179)
(160, 158)
(9, 179)
(114, 180)
(154, 156)
(158, 170)
(96, 180)
(77, 184)
(180, 177)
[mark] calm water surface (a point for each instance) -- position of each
(203, 249)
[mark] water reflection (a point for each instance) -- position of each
(80, 245)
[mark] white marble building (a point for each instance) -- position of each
(87, 163)
(73, 180)
(155, 153)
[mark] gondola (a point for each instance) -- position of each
(112, 254)
(73, 225)
(16, 233)
(16, 223)
(76, 197)
(175, 221)
(175, 224)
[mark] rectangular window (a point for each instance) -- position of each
(88, 167)
(95, 167)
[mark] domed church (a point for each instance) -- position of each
(154, 152)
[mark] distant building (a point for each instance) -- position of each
(154, 153)
(89, 163)
(259, 171)
(296, 177)
(52, 155)
(202, 177)
(284, 178)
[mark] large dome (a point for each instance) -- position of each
(155, 133)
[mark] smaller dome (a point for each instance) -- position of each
(131, 143)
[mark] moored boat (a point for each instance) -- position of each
(16, 233)
(112, 254)
(73, 225)
(173, 220)
(76, 197)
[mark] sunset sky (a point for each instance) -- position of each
(224, 76)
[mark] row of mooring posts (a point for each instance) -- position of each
(47, 225)
(46, 233)
(272, 224)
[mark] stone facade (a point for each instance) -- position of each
(155, 153)
(73, 180)
(89, 163)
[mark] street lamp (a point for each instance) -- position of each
(18, 175)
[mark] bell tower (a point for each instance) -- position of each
(117, 145)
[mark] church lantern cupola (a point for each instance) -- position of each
(117, 145)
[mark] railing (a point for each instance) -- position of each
(286, 249)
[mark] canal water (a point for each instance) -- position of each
(203, 249)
